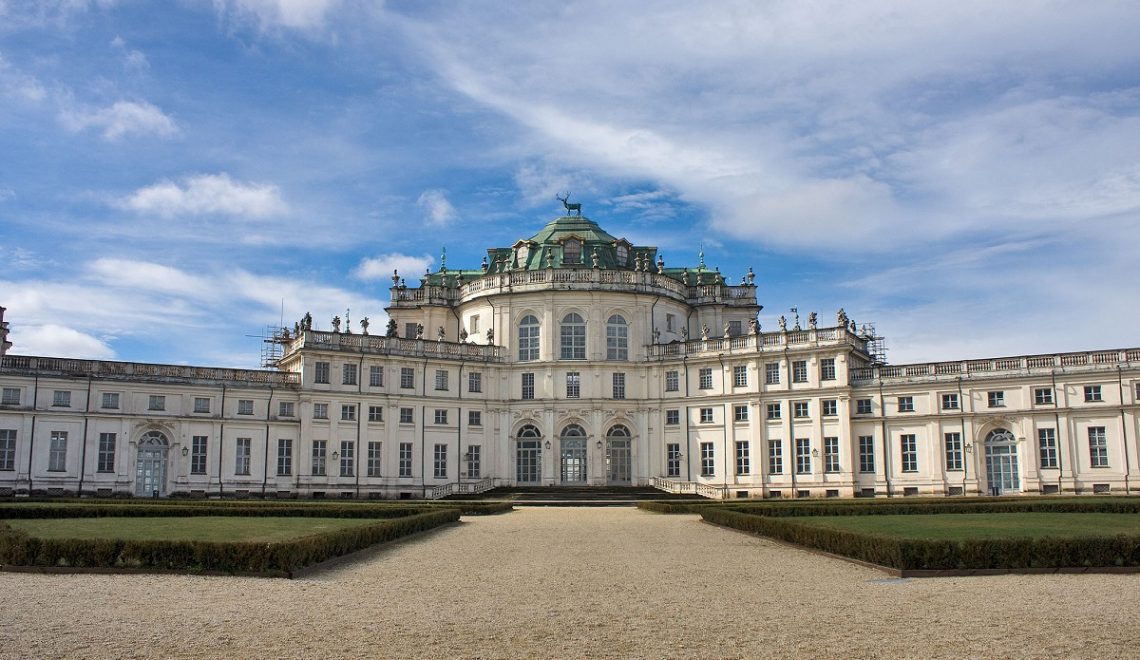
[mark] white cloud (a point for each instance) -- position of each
(133, 60)
(120, 119)
(207, 194)
(381, 267)
(437, 211)
(147, 276)
(17, 85)
(51, 339)
(294, 14)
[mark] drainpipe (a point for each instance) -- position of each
(423, 444)
(221, 441)
(965, 459)
(1123, 428)
(728, 458)
(83, 451)
(688, 436)
(1057, 438)
(32, 438)
(265, 461)
(886, 440)
(360, 453)
(459, 427)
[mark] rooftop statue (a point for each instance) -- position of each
(570, 208)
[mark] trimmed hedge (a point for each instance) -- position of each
(901, 507)
(20, 549)
(917, 554)
(662, 506)
(14, 511)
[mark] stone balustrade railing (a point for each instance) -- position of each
(759, 342)
(689, 488)
(619, 280)
(380, 345)
(994, 366)
(143, 371)
(460, 488)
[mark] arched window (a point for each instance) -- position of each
(573, 337)
(617, 338)
(528, 338)
(529, 431)
(572, 251)
(573, 431)
(618, 431)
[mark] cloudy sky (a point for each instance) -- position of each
(176, 176)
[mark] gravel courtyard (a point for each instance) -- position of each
(572, 582)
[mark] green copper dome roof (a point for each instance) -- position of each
(572, 226)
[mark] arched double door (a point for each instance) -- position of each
(528, 455)
(572, 455)
(150, 465)
(1003, 474)
(619, 456)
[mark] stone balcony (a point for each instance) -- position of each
(576, 279)
(996, 367)
(144, 372)
(395, 346)
(759, 343)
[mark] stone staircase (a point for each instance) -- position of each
(573, 495)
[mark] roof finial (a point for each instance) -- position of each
(701, 265)
(443, 259)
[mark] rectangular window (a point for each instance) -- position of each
(407, 378)
(372, 467)
(906, 404)
(11, 397)
(708, 459)
(775, 457)
(284, 457)
(110, 400)
(527, 386)
(996, 399)
(405, 459)
(61, 399)
(1043, 396)
(740, 413)
(706, 415)
(319, 449)
(735, 328)
(201, 404)
(1047, 445)
(347, 458)
(348, 413)
(321, 373)
(474, 462)
(375, 376)
(106, 461)
(953, 450)
(375, 413)
(412, 330)
(406, 416)
(348, 374)
(743, 461)
(441, 380)
(285, 409)
(800, 409)
(799, 371)
(803, 456)
(1092, 394)
(673, 459)
(672, 417)
(831, 454)
(705, 379)
(908, 448)
(619, 385)
(573, 385)
(829, 407)
(440, 461)
(320, 411)
(245, 407)
(672, 381)
(241, 455)
(863, 407)
(773, 411)
(670, 323)
(475, 418)
(827, 369)
(1098, 447)
(772, 373)
(441, 416)
(156, 402)
(949, 401)
(7, 450)
(198, 454)
(866, 453)
(475, 382)
(473, 324)
(57, 451)
(740, 376)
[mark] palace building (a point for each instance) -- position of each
(573, 358)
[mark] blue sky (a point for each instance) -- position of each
(965, 175)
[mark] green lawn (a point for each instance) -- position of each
(203, 528)
(985, 525)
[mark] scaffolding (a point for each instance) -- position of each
(273, 342)
(876, 344)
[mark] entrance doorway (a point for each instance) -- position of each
(150, 468)
(618, 456)
(573, 455)
(528, 456)
(1002, 473)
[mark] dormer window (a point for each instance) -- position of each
(572, 251)
(622, 253)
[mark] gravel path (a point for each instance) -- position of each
(562, 582)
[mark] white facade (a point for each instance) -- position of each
(573, 358)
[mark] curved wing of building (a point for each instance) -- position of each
(574, 358)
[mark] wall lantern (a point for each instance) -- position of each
(185, 452)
